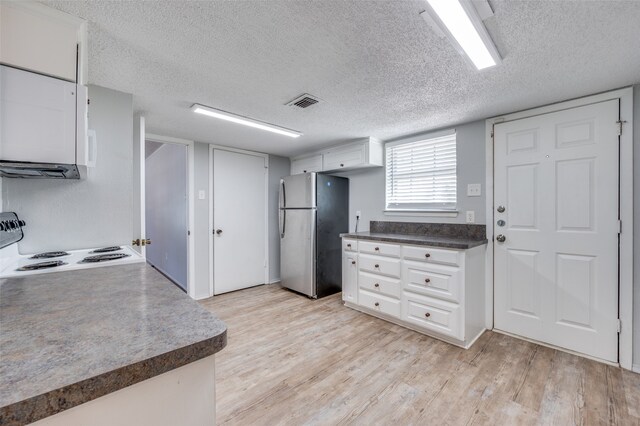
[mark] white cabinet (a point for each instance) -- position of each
(307, 164)
(41, 39)
(366, 152)
(350, 277)
(436, 291)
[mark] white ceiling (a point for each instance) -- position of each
(377, 66)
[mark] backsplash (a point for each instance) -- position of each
(449, 230)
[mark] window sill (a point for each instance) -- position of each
(427, 213)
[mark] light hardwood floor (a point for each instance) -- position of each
(291, 360)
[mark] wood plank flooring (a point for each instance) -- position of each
(295, 361)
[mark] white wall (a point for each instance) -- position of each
(367, 187)
(278, 168)
(166, 206)
(91, 212)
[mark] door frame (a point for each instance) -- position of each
(213, 147)
(625, 293)
(191, 285)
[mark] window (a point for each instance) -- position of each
(421, 175)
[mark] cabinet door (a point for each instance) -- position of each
(40, 39)
(38, 116)
(307, 165)
(343, 158)
(350, 278)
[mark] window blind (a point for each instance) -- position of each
(422, 175)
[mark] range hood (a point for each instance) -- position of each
(14, 169)
(43, 126)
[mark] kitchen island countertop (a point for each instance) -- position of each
(70, 337)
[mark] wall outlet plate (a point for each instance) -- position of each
(471, 216)
(358, 213)
(474, 190)
(201, 194)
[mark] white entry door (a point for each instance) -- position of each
(556, 189)
(239, 222)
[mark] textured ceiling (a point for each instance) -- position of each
(377, 66)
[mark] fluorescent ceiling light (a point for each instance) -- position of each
(460, 22)
(223, 115)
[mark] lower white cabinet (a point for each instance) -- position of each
(436, 291)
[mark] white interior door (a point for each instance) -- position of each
(139, 226)
(239, 220)
(556, 272)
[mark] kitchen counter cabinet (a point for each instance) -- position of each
(99, 344)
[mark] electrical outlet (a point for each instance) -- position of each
(201, 194)
(358, 213)
(474, 190)
(471, 216)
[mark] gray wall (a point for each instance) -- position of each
(201, 220)
(91, 212)
(278, 168)
(166, 209)
(367, 187)
(636, 229)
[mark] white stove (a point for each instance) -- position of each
(13, 264)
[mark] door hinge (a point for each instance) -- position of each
(619, 325)
(619, 227)
(188, 232)
(620, 123)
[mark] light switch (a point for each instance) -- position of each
(474, 190)
(201, 194)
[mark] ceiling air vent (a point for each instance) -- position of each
(304, 101)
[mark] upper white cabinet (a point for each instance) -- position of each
(307, 164)
(366, 152)
(44, 40)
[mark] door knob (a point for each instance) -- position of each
(500, 209)
(218, 231)
(501, 238)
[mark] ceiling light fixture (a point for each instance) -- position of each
(460, 22)
(223, 115)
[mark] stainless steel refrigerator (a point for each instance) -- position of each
(314, 211)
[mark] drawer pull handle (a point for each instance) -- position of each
(427, 255)
(376, 285)
(349, 245)
(353, 262)
(376, 265)
(427, 315)
(427, 280)
(377, 249)
(376, 304)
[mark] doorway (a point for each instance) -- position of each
(166, 209)
(556, 219)
(238, 220)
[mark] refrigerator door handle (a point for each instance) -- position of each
(283, 195)
(283, 221)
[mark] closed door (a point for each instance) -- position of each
(239, 223)
(556, 212)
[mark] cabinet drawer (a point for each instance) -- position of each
(432, 314)
(439, 281)
(380, 265)
(379, 303)
(431, 255)
(349, 245)
(382, 249)
(379, 284)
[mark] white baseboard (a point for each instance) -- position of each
(273, 281)
(635, 368)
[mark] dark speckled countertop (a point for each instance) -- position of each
(446, 235)
(67, 338)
